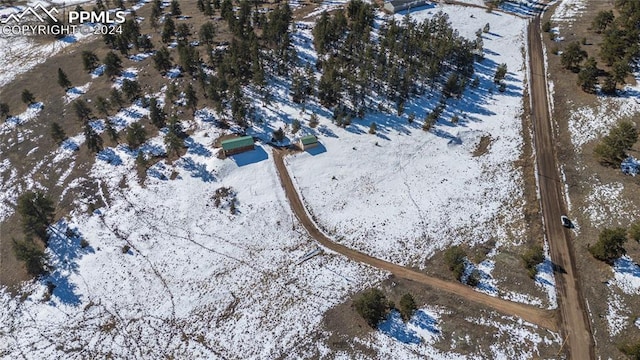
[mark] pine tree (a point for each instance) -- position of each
(102, 105)
(610, 245)
(111, 131)
(588, 76)
(207, 33)
(162, 60)
(89, 60)
(572, 56)
(57, 133)
(295, 126)
(93, 140)
(82, 110)
(602, 20)
(36, 211)
(173, 142)
(156, 114)
(175, 8)
(131, 89)
(373, 128)
(136, 135)
(27, 97)
(313, 120)
(116, 98)
(501, 73)
(168, 30)
(191, 98)
(200, 5)
(112, 64)
(486, 28)
(35, 259)
(407, 306)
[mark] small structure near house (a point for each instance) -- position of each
(237, 145)
(308, 142)
(393, 6)
(630, 166)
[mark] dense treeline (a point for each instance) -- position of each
(405, 60)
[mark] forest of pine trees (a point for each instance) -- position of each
(408, 59)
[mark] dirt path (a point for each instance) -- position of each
(574, 322)
(543, 318)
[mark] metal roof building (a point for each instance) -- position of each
(237, 145)
(394, 6)
(307, 142)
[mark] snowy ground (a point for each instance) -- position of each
(414, 192)
(166, 273)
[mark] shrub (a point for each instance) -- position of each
(372, 128)
(474, 278)
(454, 258)
(611, 149)
(125, 249)
(407, 306)
(278, 135)
(610, 245)
(531, 258)
(313, 121)
(4, 110)
(546, 26)
(631, 350)
(27, 97)
(84, 243)
(372, 305)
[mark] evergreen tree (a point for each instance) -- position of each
(191, 98)
(162, 60)
(295, 126)
(486, 28)
(611, 149)
(89, 60)
(57, 133)
(112, 64)
(372, 305)
(572, 56)
(82, 110)
(116, 98)
(63, 80)
(207, 32)
(175, 8)
(454, 257)
(501, 73)
(620, 71)
(34, 257)
(156, 114)
(313, 121)
(588, 76)
(407, 306)
(131, 89)
(93, 139)
(610, 245)
(136, 135)
(27, 97)
(168, 30)
(36, 212)
(183, 32)
(173, 142)
(111, 131)
(102, 105)
(373, 128)
(4, 110)
(200, 5)
(602, 20)
(172, 92)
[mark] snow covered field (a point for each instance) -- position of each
(161, 271)
(403, 194)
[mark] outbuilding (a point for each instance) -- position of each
(394, 6)
(237, 145)
(308, 142)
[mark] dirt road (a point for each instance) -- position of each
(543, 318)
(574, 324)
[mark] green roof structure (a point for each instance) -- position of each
(237, 143)
(309, 139)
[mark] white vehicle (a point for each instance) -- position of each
(566, 222)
